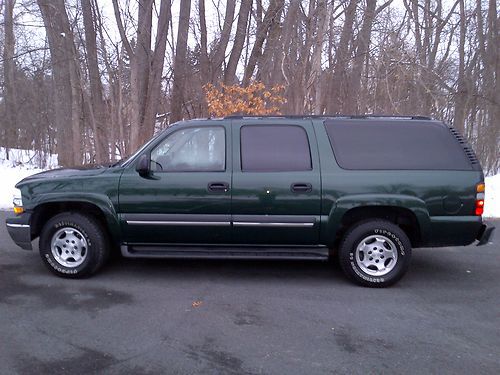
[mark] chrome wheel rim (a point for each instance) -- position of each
(69, 247)
(376, 255)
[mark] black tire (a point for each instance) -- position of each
(395, 243)
(91, 241)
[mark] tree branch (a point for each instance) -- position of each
(121, 29)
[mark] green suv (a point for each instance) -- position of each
(366, 189)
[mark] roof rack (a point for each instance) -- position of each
(392, 116)
(366, 116)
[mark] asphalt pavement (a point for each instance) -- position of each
(250, 317)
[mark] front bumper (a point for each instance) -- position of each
(485, 235)
(19, 230)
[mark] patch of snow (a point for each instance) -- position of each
(10, 177)
(20, 164)
(27, 159)
(492, 196)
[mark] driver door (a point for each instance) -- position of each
(187, 196)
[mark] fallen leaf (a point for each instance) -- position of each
(196, 303)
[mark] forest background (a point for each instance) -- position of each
(91, 80)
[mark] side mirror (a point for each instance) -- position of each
(142, 166)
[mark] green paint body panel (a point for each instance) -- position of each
(98, 187)
(179, 208)
(269, 193)
(177, 193)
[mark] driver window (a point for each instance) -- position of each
(191, 150)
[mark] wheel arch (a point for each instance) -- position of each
(102, 211)
(409, 213)
(402, 217)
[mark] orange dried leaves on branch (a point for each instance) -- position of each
(254, 99)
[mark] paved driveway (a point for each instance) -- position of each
(248, 317)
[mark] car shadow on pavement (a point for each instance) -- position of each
(228, 269)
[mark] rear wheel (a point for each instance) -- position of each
(73, 245)
(375, 253)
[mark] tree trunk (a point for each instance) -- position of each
(65, 75)
(491, 60)
(272, 15)
(352, 105)
(461, 95)
(96, 95)
(10, 135)
(338, 90)
(156, 71)
(290, 57)
(139, 71)
(314, 81)
(219, 54)
(268, 65)
(180, 62)
(239, 41)
(204, 61)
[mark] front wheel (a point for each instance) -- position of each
(375, 253)
(73, 245)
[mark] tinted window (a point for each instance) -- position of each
(389, 144)
(274, 148)
(191, 150)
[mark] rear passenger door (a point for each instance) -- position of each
(276, 182)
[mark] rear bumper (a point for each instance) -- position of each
(454, 230)
(19, 230)
(485, 235)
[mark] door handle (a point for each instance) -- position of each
(218, 186)
(301, 187)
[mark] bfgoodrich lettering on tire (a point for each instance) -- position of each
(73, 245)
(375, 253)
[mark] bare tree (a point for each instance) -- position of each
(461, 95)
(337, 94)
(146, 67)
(97, 110)
(219, 53)
(86, 94)
(272, 16)
(9, 76)
(67, 89)
(239, 40)
(180, 61)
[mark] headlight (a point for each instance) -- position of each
(17, 200)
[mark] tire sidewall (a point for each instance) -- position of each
(389, 230)
(52, 226)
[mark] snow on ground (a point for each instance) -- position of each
(21, 164)
(27, 159)
(24, 163)
(492, 201)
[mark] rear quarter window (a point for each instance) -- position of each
(390, 144)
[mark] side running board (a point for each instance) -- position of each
(222, 252)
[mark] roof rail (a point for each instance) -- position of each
(409, 117)
(366, 116)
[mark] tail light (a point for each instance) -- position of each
(479, 207)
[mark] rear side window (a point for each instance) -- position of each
(274, 148)
(379, 144)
